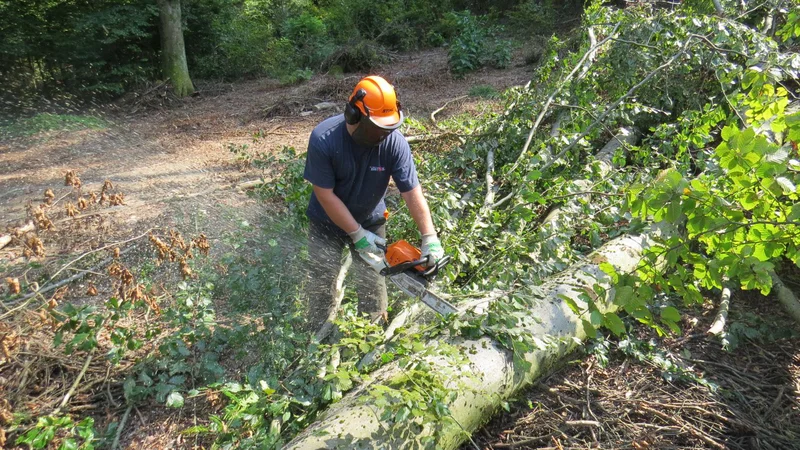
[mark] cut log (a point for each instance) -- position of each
(6, 238)
(490, 377)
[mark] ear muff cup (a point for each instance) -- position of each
(352, 115)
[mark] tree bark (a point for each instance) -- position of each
(173, 51)
(490, 377)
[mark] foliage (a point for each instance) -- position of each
(54, 48)
(290, 187)
(475, 45)
(534, 17)
(97, 48)
(224, 41)
(60, 431)
(357, 56)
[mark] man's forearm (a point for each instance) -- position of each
(336, 210)
(418, 207)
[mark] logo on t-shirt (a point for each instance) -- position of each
(377, 169)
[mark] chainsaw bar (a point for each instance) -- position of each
(416, 288)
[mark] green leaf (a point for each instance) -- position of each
(623, 296)
(402, 414)
(614, 323)
(175, 399)
(750, 201)
(589, 329)
(795, 213)
(670, 313)
(571, 303)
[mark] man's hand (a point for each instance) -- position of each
(367, 241)
(366, 244)
(431, 246)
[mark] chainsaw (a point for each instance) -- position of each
(407, 269)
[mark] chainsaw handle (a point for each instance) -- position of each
(402, 267)
(430, 272)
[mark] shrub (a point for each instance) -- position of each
(231, 44)
(533, 17)
(359, 56)
(310, 38)
(475, 45)
(483, 91)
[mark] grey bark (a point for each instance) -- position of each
(173, 51)
(490, 376)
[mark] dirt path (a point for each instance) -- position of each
(176, 159)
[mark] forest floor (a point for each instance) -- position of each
(174, 163)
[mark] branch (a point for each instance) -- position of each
(75, 384)
(57, 285)
(487, 202)
(114, 244)
(433, 114)
(786, 297)
(550, 99)
(718, 326)
(614, 105)
(121, 425)
(19, 231)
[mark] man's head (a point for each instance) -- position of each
(373, 111)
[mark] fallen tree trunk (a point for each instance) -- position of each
(490, 376)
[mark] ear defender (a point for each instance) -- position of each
(352, 115)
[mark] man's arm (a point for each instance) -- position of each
(336, 210)
(418, 207)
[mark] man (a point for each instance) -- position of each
(349, 162)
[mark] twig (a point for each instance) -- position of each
(114, 244)
(422, 138)
(75, 384)
(582, 423)
(523, 442)
(49, 288)
(250, 184)
(689, 427)
(61, 198)
(433, 114)
(120, 427)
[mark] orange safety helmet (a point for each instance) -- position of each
(374, 98)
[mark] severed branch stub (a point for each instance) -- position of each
(718, 326)
(19, 231)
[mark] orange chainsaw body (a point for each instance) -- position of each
(402, 252)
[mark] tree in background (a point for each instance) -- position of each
(173, 51)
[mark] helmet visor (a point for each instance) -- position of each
(370, 134)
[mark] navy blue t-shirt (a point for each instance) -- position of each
(358, 175)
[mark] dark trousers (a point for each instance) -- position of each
(326, 246)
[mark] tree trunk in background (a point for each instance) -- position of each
(173, 52)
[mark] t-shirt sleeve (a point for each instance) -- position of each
(404, 173)
(319, 167)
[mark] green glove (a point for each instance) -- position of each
(431, 246)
